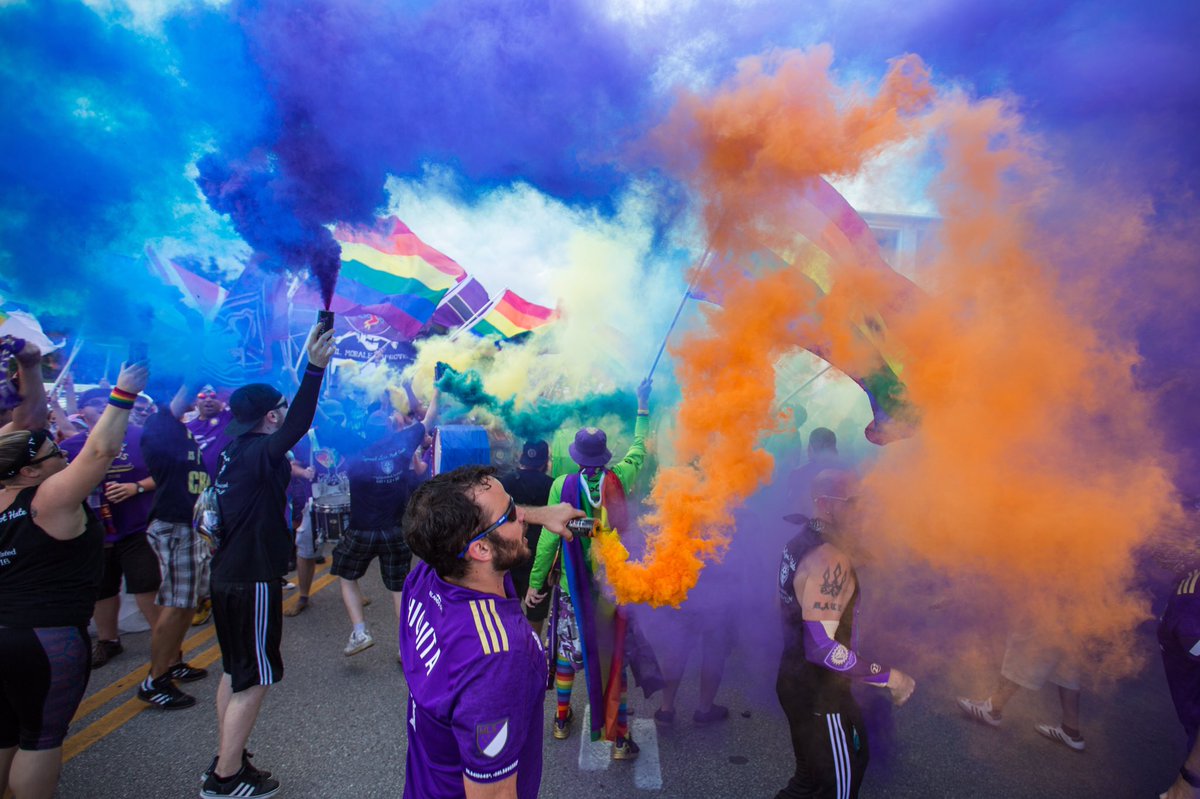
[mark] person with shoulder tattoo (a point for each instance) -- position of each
(819, 593)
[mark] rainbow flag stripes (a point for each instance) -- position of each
(511, 316)
(390, 260)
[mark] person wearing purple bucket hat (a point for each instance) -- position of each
(596, 489)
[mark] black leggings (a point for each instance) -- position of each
(43, 675)
(830, 748)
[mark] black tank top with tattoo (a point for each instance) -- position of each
(829, 691)
(45, 582)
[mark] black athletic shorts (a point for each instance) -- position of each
(249, 621)
(830, 748)
(43, 675)
(133, 558)
(356, 548)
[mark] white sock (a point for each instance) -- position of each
(360, 628)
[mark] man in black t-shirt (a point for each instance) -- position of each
(381, 480)
(176, 463)
(530, 485)
(250, 558)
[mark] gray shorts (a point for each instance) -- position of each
(309, 545)
(1031, 661)
(183, 560)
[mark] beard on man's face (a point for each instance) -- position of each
(509, 554)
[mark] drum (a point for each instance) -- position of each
(457, 445)
(331, 516)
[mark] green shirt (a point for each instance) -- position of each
(626, 471)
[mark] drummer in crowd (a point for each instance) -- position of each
(382, 477)
(318, 462)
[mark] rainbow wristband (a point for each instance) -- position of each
(121, 399)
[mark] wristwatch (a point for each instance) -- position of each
(141, 488)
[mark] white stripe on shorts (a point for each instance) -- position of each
(841, 754)
(262, 606)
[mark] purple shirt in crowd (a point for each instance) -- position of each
(1179, 639)
(210, 435)
(476, 676)
(131, 516)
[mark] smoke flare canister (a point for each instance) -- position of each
(324, 322)
(584, 527)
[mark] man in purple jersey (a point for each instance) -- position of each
(208, 428)
(1179, 640)
(476, 672)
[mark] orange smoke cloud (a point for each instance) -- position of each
(781, 122)
(1036, 470)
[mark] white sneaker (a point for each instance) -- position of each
(358, 642)
(980, 711)
(1055, 733)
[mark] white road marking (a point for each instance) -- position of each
(593, 755)
(597, 755)
(647, 773)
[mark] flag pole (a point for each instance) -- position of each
(803, 386)
(700, 266)
(482, 312)
(67, 366)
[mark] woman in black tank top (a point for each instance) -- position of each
(50, 566)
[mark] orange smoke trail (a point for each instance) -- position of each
(1036, 471)
(782, 121)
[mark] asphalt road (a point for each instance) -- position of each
(335, 728)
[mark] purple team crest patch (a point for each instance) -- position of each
(491, 737)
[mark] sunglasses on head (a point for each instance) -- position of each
(509, 515)
(206, 395)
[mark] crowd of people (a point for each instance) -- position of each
(496, 598)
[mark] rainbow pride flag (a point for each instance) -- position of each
(199, 293)
(511, 316)
(388, 271)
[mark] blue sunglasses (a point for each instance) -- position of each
(508, 516)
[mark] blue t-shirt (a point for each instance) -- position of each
(476, 677)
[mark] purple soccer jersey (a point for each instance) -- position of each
(1179, 639)
(210, 435)
(133, 515)
(476, 676)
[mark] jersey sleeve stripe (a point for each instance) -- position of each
(479, 627)
(491, 603)
(487, 623)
